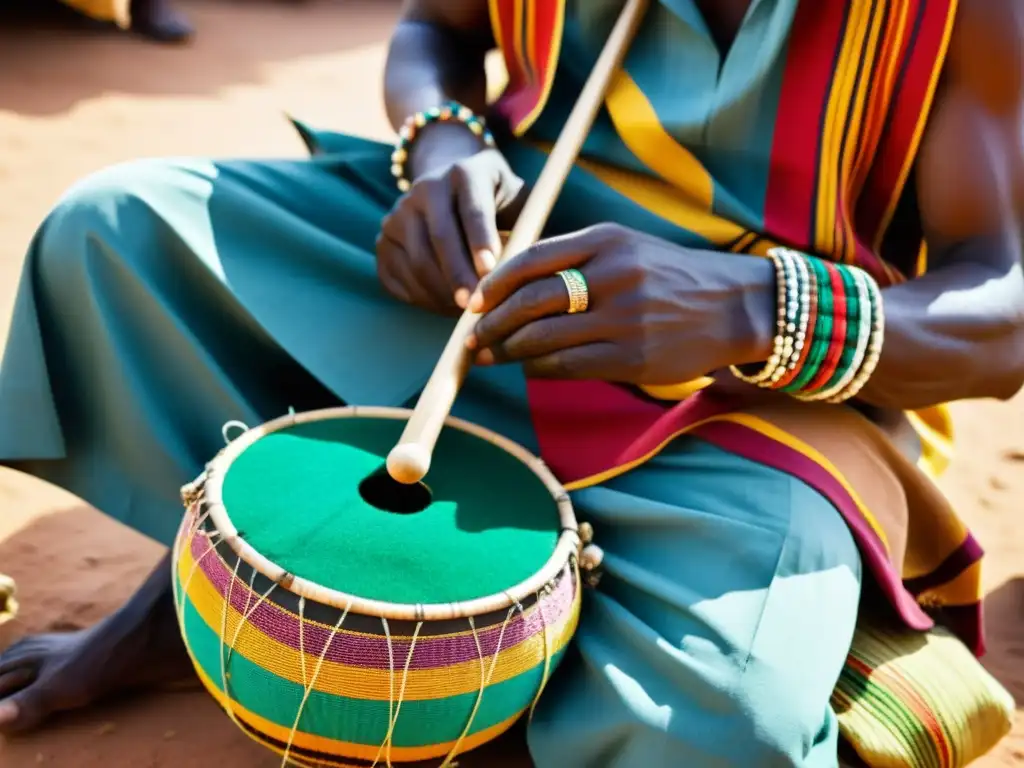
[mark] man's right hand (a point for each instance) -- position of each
(442, 235)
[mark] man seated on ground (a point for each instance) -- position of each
(881, 142)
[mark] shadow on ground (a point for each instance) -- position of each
(52, 60)
(91, 565)
(1004, 609)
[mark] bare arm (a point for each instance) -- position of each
(437, 54)
(958, 331)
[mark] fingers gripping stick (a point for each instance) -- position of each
(409, 461)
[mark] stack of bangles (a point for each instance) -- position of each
(449, 112)
(829, 330)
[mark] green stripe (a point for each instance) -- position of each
(890, 713)
(820, 339)
(421, 723)
(853, 310)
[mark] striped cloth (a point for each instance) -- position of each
(116, 11)
(918, 700)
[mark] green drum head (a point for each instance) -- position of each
(301, 496)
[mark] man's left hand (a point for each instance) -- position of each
(658, 313)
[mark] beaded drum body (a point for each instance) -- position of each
(337, 632)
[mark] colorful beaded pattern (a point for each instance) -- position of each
(828, 330)
(450, 112)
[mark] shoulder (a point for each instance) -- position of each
(970, 170)
(986, 53)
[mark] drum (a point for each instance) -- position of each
(341, 618)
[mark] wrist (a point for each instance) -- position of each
(440, 145)
(754, 311)
(829, 325)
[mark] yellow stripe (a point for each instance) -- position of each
(362, 682)
(845, 124)
(853, 146)
(637, 124)
(922, 120)
(347, 749)
(549, 74)
(762, 247)
(495, 15)
(934, 427)
(839, 100)
(742, 244)
(517, 35)
(822, 214)
(838, 104)
(921, 265)
(679, 391)
(965, 589)
(664, 201)
(768, 430)
(855, 124)
(620, 469)
(530, 16)
(892, 46)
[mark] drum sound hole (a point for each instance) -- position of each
(384, 492)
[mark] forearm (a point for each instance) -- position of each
(953, 334)
(428, 64)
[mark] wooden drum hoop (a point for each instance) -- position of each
(567, 548)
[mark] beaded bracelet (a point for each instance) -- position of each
(450, 112)
(857, 304)
(783, 293)
(855, 343)
(874, 344)
(829, 330)
(801, 276)
(822, 337)
(805, 333)
(845, 326)
(837, 341)
(860, 343)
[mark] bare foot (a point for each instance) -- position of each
(138, 646)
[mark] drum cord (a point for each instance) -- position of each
(393, 719)
(194, 521)
(485, 679)
(316, 671)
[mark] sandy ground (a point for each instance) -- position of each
(72, 101)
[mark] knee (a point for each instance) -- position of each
(102, 208)
(786, 728)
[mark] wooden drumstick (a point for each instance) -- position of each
(409, 461)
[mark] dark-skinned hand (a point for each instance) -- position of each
(441, 236)
(659, 313)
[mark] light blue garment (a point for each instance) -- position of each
(722, 108)
(162, 298)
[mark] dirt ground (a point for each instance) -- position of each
(74, 100)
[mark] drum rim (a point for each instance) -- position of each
(566, 547)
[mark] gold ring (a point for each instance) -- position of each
(579, 294)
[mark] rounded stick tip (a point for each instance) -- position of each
(408, 463)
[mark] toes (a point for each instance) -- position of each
(15, 680)
(8, 714)
(21, 654)
(21, 712)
